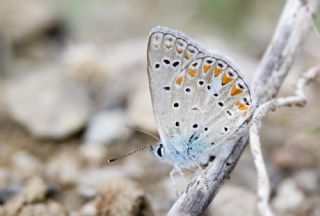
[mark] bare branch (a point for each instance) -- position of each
(297, 100)
(277, 61)
(292, 30)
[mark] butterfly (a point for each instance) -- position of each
(200, 98)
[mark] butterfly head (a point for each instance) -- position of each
(159, 150)
(169, 155)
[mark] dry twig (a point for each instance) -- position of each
(297, 100)
(291, 31)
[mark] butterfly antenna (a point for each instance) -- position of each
(144, 132)
(126, 155)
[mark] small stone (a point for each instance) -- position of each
(85, 64)
(40, 209)
(63, 169)
(288, 197)
(90, 182)
(308, 180)
(14, 205)
(35, 190)
(26, 165)
(89, 209)
(43, 209)
(55, 208)
(106, 127)
(118, 197)
(37, 16)
(27, 210)
(31, 201)
(1, 211)
(121, 197)
(4, 177)
(316, 208)
(310, 207)
(233, 201)
(47, 104)
(94, 154)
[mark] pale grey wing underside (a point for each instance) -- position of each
(168, 52)
(212, 102)
(198, 96)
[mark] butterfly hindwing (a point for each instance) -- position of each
(199, 97)
(214, 101)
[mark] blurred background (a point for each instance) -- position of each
(73, 85)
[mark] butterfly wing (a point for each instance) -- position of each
(199, 103)
(168, 52)
(214, 101)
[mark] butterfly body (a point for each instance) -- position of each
(200, 98)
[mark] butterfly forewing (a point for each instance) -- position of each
(167, 55)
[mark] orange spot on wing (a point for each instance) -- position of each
(217, 71)
(235, 90)
(192, 72)
(179, 80)
(206, 68)
(179, 50)
(241, 106)
(187, 55)
(226, 79)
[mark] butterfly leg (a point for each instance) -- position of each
(176, 169)
(172, 173)
(193, 159)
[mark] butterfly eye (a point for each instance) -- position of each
(160, 150)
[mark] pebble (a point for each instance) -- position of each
(92, 181)
(47, 104)
(64, 169)
(4, 177)
(26, 165)
(93, 154)
(85, 64)
(308, 180)
(120, 197)
(233, 201)
(36, 17)
(33, 192)
(106, 127)
(88, 209)
(50, 208)
(288, 197)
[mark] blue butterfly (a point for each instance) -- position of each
(199, 98)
